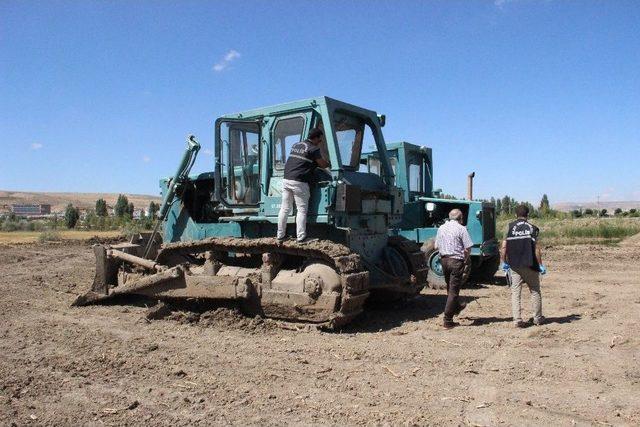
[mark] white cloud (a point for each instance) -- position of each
(36, 146)
(228, 58)
(146, 159)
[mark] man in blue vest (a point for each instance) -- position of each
(302, 162)
(522, 262)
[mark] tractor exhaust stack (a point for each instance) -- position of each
(470, 185)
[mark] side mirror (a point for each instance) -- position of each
(382, 119)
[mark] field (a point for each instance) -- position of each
(554, 231)
(35, 236)
(109, 365)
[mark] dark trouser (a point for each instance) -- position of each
(453, 271)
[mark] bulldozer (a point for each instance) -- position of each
(214, 239)
(426, 209)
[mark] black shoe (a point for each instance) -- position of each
(450, 324)
(520, 324)
(540, 321)
(461, 306)
(306, 240)
(279, 242)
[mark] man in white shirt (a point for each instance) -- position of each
(454, 244)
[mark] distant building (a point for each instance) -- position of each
(30, 209)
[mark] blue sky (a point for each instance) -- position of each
(535, 96)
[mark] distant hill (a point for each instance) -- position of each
(59, 201)
(609, 206)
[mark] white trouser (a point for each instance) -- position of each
(298, 191)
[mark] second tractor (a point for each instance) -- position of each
(425, 210)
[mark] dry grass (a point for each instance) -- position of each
(34, 236)
(580, 230)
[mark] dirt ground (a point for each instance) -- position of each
(395, 365)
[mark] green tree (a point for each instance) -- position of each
(71, 216)
(101, 207)
(545, 208)
(122, 206)
(90, 220)
(9, 225)
(506, 205)
(153, 209)
(533, 213)
(498, 206)
(617, 212)
(576, 213)
(603, 212)
(130, 209)
(54, 221)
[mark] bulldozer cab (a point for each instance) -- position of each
(252, 148)
(242, 196)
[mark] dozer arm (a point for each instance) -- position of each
(188, 159)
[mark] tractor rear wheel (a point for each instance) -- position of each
(403, 259)
(435, 277)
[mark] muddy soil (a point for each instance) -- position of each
(393, 365)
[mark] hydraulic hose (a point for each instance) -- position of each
(182, 173)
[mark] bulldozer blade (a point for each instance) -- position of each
(172, 278)
(106, 271)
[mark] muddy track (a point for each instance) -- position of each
(353, 276)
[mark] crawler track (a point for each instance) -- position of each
(353, 276)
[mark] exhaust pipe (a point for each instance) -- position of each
(470, 185)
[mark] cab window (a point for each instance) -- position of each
(350, 132)
(239, 160)
(374, 166)
(287, 132)
(415, 178)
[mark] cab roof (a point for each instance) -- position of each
(304, 104)
(400, 144)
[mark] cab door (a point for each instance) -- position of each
(286, 131)
(238, 153)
